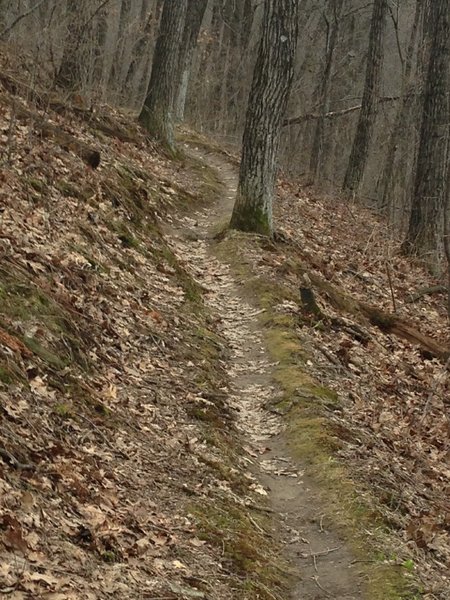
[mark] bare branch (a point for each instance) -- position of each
(20, 18)
(337, 113)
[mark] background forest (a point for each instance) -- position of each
(350, 52)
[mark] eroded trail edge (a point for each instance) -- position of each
(321, 563)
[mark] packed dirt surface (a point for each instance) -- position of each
(320, 561)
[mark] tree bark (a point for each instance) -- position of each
(140, 50)
(194, 18)
(157, 113)
(269, 94)
(69, 74)
(124, 17)
(366, 123)
(430, 188)
(332, 38)
(401, 117)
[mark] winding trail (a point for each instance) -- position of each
(322, 564)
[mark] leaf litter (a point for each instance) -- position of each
(109, 364)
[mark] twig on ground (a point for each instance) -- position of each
(391, 287)
(12, 460)
(426, 291)
(102, 435)
(316, 581)
(321, 529)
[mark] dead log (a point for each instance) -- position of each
(333, 114)
(387, 322)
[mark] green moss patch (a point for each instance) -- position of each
(259, 571)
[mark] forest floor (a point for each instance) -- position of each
(178, 418)
(386, 505)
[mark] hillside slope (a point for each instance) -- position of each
(113, 429)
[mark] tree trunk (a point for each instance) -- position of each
(269, 94)
(157, 113)
(401, 118)
(124, 17)
(332, 38)
(141, 49)
(69, 75)
(194, 18)
(430, 187)
(366, 123)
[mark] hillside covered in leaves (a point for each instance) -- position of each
(123, 473)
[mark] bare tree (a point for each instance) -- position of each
(157, 113)
(69, 75)
(425, 224)
(366, 122)
(324, 86)
(194, 17)
(407, 93)
(269, 94)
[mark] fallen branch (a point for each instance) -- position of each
(330, 115)
(12, 460)
(426, 291)
(386, 322)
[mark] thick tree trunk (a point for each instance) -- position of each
(124, 16)
(194, 18)
(140, 52)
(430, 188)
(332, 38)
(157, 113)
(269, 94)
(366, 123)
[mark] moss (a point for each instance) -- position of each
(38, 185)
(44, 353)
(284, 346)
(6, 375)
(260, 570)
(65, 411)
(251, 219)
(108, 557)
(192, 290)
(128, 240)
(68, 189)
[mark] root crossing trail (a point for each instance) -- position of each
(322, 564)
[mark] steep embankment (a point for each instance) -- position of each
(146, 370)
(115, 439)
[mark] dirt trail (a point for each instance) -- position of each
(321, 562)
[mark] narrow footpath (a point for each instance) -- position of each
(321, 563)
